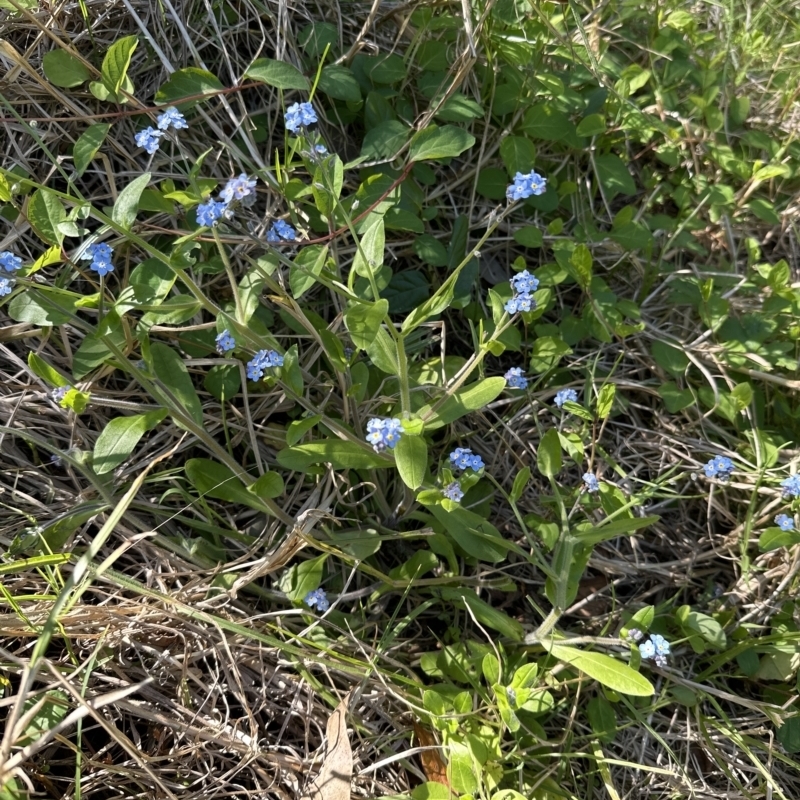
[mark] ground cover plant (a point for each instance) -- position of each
(399, 400)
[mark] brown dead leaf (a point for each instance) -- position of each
(432, 762)
(333, 781)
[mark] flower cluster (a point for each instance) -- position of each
(719, 467)
(383, 433)
(236, 189)
(515, 378)
(6, 285)
(523, 284)
(591, 482)
(317, 598)
(150, 137)
(300, 115)
(464, 458)
(565, 396)
(100, 256)
(453, 492)
(657, 648)
(225, 342)
(9, 262)
(791, 486)
(525, 186)
(281, 232)
(208, 213)
(784, 522)
(261, 361)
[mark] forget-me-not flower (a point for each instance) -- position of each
(791, 486)
(317, 598)
(320, 149)
(720, 467)
(261, 361)
(225, 342)
(100, 255)
(515, 378)
(635, 634)
(149, 138)
(300, 115)
(657, 648)
(6, 285)
(591, 482)
(9, 262)
(453, 492)
(383, 433)
(237, 189)
(526, 185)
(524, 283)
(784, 522)
(281, 232)
(565, 395)
(464, 458)
(520, 302)
(171, 118)
(208, 213)
(59, 393)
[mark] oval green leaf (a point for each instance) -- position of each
(64, 70)
(120, 437)
(605, 670)
(411, 456)
(279, 74)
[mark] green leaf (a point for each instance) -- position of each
(338, 453)
(87, 145)
(119, 438)
(339, 83)
(461, 769)
(491, 669)
(669, 357)
(45, 214)
(602, 719)
(486, 614)
(472, 533)
(474, 397)
(788, 735)
(42, 307)
(520, 482)
(704, 625)
(47, 373)
(187, 82)
(370, 252)
(306, 268)
(302, 578)
(223, 382)
(411, 456)
(116, 62)
(529, 236)
(269, 485)
(459, 108)
(299, 428)
(279, 74)
(212, 479)
(613, 176)
(64, 70)
(545, 121)
(773, 538)
(52, 712)
(518, 154)
(549, 454)
(406, 291)
(434, 142)
(581, 260)
(385, 140)
(593, 125)
(127, 205)
(616, 527)
(383, 352)
(546, 352)
(605, 400)
(430, 250)
(171, 371)
(606, 670)
(363, 321)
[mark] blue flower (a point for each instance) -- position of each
(464, 458)
(591, 482)
(225, 342)
(526, 185)
(647, 649)
(317, 598)
(149, 138)
(281, 232)
(791, 486)
(635, 634)
(660, 643)
(300, 115)
(320, 149)
(383, 433)
(208, 213)
(237, 189)
(453, 492)
(719, 467)
(6, 285)
(59, 393)
(524, 283)
(261, 361)
(515, 378)
(520, 302)
(9, 262)
(100, 255)
(565, 395)
(171, 117)
(657, 648)
(784, 522)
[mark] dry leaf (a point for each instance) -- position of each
(432, 762)
(333, 781)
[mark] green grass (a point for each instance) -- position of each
(153, 627)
